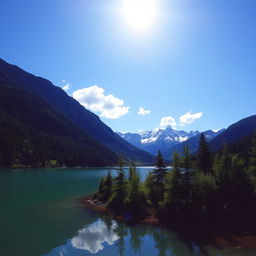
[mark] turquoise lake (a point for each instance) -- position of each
(41, 215)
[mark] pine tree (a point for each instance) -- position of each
(204, 156)
(173, 185)
(135, 195)
(101, 189)
(118, 198)
(108, 186)
(186, 177)
(160, 177)
(105, 188)
(150, 187)
(132, 171)
(121, 185)
(221, 166)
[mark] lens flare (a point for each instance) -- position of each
(140, 13)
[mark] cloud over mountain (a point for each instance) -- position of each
(189, 118)
(94, 99)
(166, 121)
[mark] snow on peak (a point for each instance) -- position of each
(216, 130)
(181, 139)
(165, 134)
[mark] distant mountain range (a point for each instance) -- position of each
(57, 105)
(166, 139)
(40, 125)
(237, 137)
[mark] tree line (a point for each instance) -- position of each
(204, 192)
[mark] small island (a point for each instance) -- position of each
(202, 195)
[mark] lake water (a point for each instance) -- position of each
(40, 215)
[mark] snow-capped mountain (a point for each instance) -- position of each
(164, 139)
(158, 139)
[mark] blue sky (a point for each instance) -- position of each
(195, 56)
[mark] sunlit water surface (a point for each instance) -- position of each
(40, 214)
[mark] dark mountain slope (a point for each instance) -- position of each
(32, 133)
(234, 133)
(12, 76)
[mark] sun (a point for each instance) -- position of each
(140, 14)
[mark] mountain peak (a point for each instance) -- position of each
(158, 138)
(169, 127)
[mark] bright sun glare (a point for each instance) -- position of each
(140, 13)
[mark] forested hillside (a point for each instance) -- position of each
(14, 77)
(33, 134)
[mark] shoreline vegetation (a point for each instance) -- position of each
(91, 203)
(204, 197)
(245, 241)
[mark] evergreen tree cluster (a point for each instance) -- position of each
(216, 195)
(124, 194)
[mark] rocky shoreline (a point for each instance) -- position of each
(101, 207)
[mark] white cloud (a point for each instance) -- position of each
(66, 87)
(189, 118)
(143, 112)
(168, 120)
(108, 106)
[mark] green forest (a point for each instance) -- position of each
(33, 134)
(205, 193)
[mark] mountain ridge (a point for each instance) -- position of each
(167, 140)
(157, 139)
(235, 132)
(33, 134)
(14, 77)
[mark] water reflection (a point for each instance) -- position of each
(108, 237)
(92, 237)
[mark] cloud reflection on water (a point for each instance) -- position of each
(92, 237)
(106, 237)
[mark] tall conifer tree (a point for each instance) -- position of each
(160, 176)
(204, 156)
